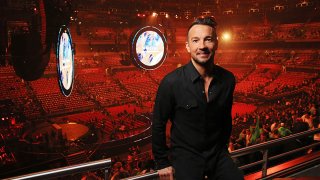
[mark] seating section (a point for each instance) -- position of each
(294, 31)
(242, 109)
(304, 58)
(239, 73)
(256, 80)
(181, 35)
(119, 124)
(158, 74)
(291, 80)
(14, 88)
(109, 94)
(125, 113)
(93, 75)
(52, 100)
(138, 83)
(6, 70)
(103, 88)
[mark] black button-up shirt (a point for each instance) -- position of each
(198, 125)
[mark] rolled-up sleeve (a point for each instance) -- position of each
(162, 112)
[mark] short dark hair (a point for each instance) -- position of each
(204, 20)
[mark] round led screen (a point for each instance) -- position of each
(65, 61)
(149, 48)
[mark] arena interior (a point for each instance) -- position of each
(271, 46)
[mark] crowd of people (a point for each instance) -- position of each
(282, 118)
(136, 163)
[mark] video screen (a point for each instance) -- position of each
(149, 48)
(65, 61)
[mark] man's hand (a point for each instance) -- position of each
(166, 173)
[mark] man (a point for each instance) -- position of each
(197, 98)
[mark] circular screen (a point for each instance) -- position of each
(149, 48)
(65, 61)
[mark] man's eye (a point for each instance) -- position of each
(195, 40)
(209, 39)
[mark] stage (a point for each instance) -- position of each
(71, 130)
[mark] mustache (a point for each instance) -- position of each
(204, 50)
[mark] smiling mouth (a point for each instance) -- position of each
(203, 54)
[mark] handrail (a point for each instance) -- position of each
(263, 147)
(268, 144)
(63, 171)
(143, 176)
(243, 151)
(106, 163)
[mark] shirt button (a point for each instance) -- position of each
(202, 92)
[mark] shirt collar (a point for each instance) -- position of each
(192, 71)
(194, 74)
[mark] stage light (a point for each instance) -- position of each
(141, 15)
(154, 14)
(167, 15)
(278, 8)
(226, 36)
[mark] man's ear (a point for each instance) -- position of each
(187, 47)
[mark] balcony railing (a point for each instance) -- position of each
(64, 171)
(263, 147)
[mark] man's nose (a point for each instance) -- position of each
(202, 45)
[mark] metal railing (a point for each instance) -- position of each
(268, 144)
(263, 147)
(106, 163)
(64, 171)
(143, 176)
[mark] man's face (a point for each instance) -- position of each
(201, 44)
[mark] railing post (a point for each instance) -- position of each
(106, 173)
(265, 162)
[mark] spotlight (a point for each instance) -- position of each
(226, 36)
